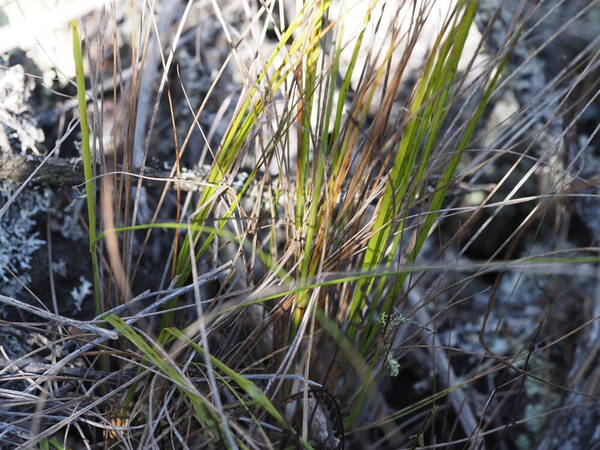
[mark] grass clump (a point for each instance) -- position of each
(284, 297)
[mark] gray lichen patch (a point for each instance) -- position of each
(80, 292)
(19, 134)
(17, 127)
(19, 239)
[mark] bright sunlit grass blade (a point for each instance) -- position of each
(87, 158)
(241, 126)
(438, 79)
(426, 112)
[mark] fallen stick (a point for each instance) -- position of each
(65, 321)
(69, 172)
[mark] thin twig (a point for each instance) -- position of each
(215, 274)
(65, 321)
(442, 366)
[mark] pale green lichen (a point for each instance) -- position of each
(391, 322)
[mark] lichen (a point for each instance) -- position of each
(80, 293)
(19, 239)
(16, 123)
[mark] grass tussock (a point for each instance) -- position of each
(293, 282)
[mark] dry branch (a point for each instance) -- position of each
(65, 172)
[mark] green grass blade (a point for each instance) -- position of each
(86, 155)
(202, 408)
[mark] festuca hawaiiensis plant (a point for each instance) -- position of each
(351, 167)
